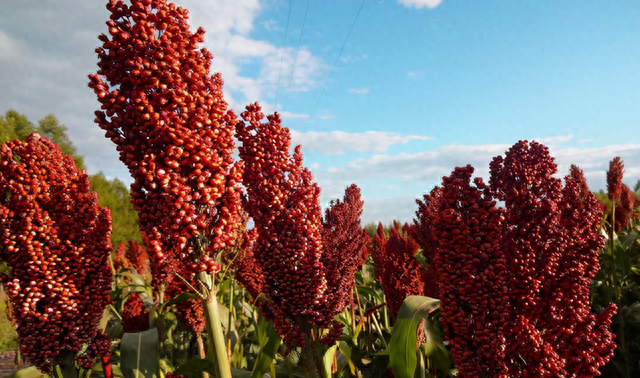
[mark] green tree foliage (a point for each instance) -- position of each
(8, 336)
(115, 195)
(14, 126)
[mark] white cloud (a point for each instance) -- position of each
(47, 50)
(340, 142)
(422, 166)
(277, 71)
(387, 210)
(362, 91)
(418, 173)
(290, 115)
(270, 25)
(432, 165)
(415, 74)
(554, 139)
(420, 3)
(241, 46)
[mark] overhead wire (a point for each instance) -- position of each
(295, 59)
(334, 65)
(284, 44)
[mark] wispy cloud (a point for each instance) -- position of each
(289, 115)
(415, 74)
(554, 139)
(340, 142)
(362, 91)
(420, 3)
(270, 25)
(432, 165)
(419, 172)
(48, 50)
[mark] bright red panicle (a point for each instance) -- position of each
(56, 239)
(165, 113)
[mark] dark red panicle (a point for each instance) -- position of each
(514, 278)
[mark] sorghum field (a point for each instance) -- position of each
(224, 265)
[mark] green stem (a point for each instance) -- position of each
(67, 365)
(160, 318)
(311, 356)
(216, 338)
(377, 327)
(617, 283)
(228, 335)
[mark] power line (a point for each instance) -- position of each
(295, 60)
(334, 65)
(284, 44)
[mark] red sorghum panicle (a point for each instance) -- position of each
(191, 315)
(621, 197)
(423, 232)
(248, 272)
(120, 260)
(472, 275)
(614, 178)
(345, 248)
(135, 315)
(307, 264)
(56, 239)
(138, 257)
(283, 202)
(582, 338)
(524, 180)
(397, 269)
(515, 278)
(166, 114)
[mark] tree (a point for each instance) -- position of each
(14, 126)
(115, 195)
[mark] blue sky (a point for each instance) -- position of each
(419, 87)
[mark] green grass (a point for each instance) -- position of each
(8, 336)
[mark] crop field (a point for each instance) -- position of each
(219, 261)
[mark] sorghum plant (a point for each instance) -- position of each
(616, 281)
(307, 265)
(621, 197)
(397, 268)
(56, 239)
(120, 260)
(135, 315)
(514, 279)
(138, 257)
(344, 243)
(166, 114)
(423, 231)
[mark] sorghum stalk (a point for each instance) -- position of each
(166, 114)
(514, 279)
(307, 264)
